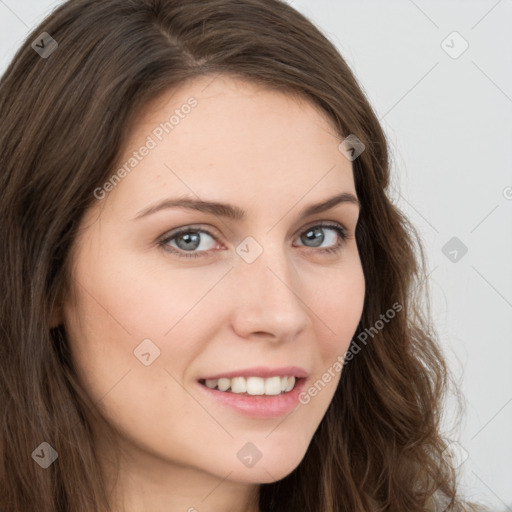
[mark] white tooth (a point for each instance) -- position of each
(255, 386)
(273, 386)
(224, 384)
(238, 385)
(211, 383)
(291, 383)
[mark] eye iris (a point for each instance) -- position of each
(188, 238)
(315, 235)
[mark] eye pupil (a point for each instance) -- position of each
(188, 238)
(317, 236)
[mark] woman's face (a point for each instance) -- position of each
(258, 295)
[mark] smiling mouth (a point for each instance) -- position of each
(253, 386)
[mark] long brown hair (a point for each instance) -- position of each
(66, 115)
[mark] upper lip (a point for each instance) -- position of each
(262, 371)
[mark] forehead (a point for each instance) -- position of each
(222, 137)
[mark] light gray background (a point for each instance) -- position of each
(449, 121)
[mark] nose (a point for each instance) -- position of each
(267, 299)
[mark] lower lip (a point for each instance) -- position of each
(258, 406)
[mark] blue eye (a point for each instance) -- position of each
(188, 239)
(315, 235)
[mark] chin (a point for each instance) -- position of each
(271, 468)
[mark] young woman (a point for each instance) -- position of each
(209, 302)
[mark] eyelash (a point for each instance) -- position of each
(340, 230)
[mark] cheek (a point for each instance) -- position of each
(109, 318)
(116, 310)
(338, 307)
(135, 295)
(151, 296)
(122, 302)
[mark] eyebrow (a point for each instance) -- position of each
(236, 213)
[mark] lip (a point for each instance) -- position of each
(257, 406)
(262, 371)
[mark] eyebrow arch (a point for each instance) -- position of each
(236, 213)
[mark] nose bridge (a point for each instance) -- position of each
(268, 298)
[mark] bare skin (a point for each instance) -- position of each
(271, 155)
